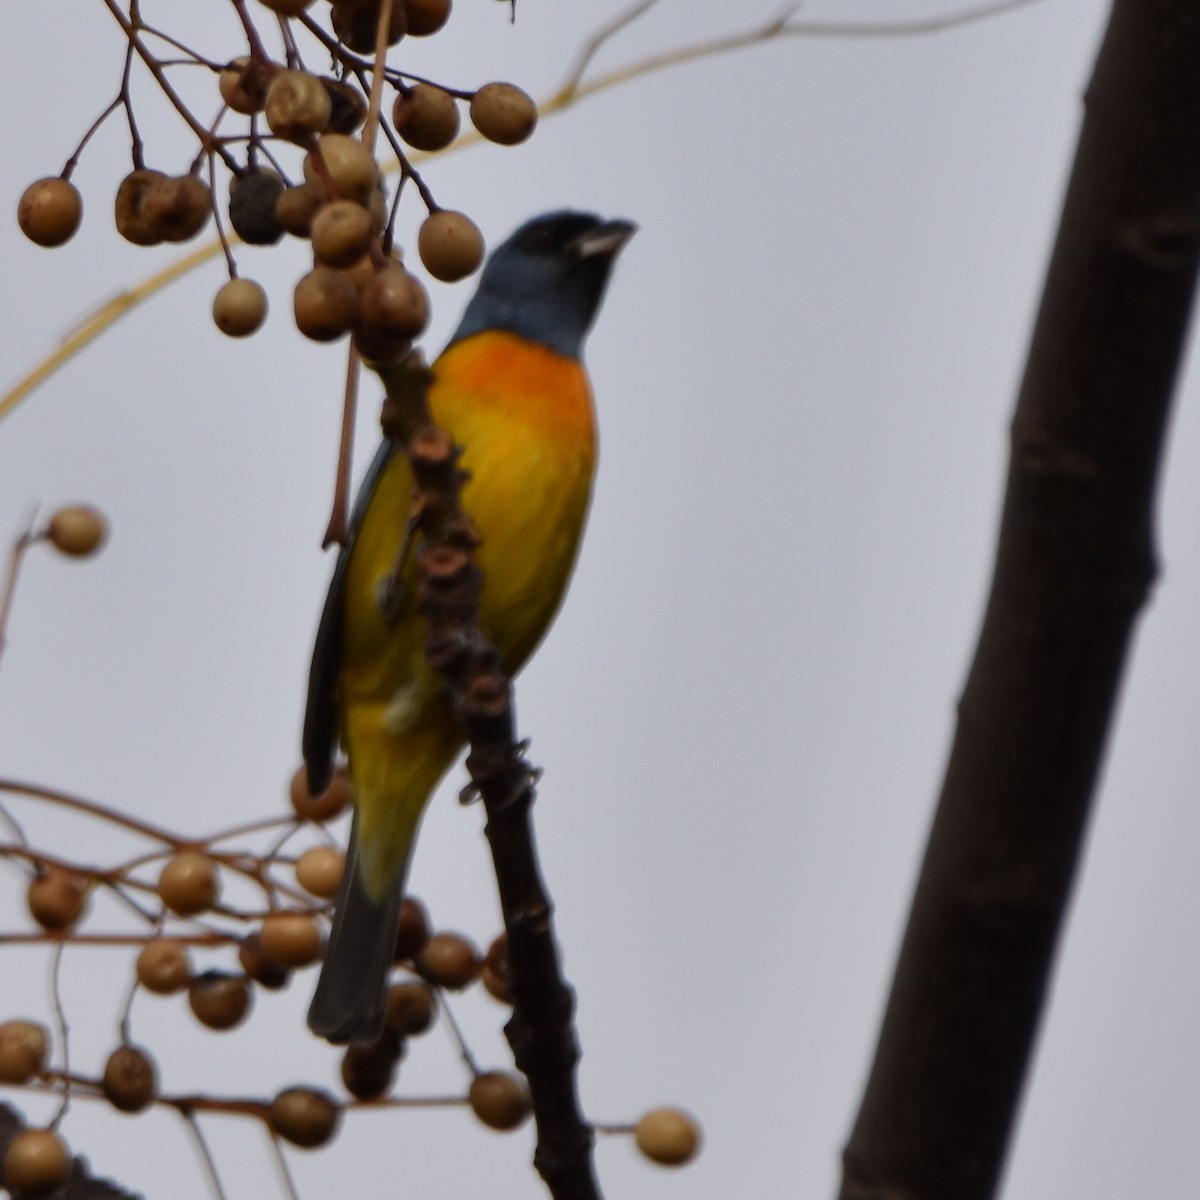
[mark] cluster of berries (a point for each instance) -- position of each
(359, 284)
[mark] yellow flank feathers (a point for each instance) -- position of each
(524, 415)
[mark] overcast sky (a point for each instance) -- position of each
(804, 373)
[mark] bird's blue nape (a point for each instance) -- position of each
(545, 283)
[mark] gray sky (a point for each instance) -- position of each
(804, 374)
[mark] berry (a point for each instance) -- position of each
(368, 1070)
(304, 1116)
(319, 871)
(239, 308)
(325, 304)
(412, 934)
(668, 1136)
(410, 1009)
(188, 884)
(130, 1081)
(286, 8)
(349, 109)
(449, 961)
(450, 245)
(176, 207)
(78, 530)
(329, 804)
(297, 106)
(426, 16)
(127, 209)
(219, 1000)
(496, 974)
(36, 1161)
(426, 117)
(503, 113)
(346, 164)
(266, 971)
(22, 1051)
(356, 24)
(499, 1100)
(252, 208)
(296, 208)
(291, 938)
(342, 232)
(49, 211)
(56, 898)
(243, 84)
(394, 302)
(163, 967)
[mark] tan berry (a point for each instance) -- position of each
(449, 961)
(668, 1136)
(343, 168)
(297, 106)
(243, 84)
(450, 245)
(325, 304)
(342, 232)
(331, 803)
(189, 883)
(356, 25)
(176, 207)
(410, 1009)
(304, 1116)
(266, 971)
(130, 1080)
(56, 898)
(503, 113)
(77, 530)
(394, 301)
(349, 109)
(426, 118)
(292, 938)
(412, 933)
(163, 967)
(496, 975)
(49, 211)
(36, 1161)
(127, 208)
(219, 1000)
(23, 1048)
(296, 208)
(319, 871)
(426, 16)
(239, 308)
(499, 1100)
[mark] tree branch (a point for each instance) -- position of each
(1074, 565)
(541, 1030)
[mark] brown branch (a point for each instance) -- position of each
(541, 1030)
(1074, 566)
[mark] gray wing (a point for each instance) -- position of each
(320, 738)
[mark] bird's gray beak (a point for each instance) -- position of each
(604, 240)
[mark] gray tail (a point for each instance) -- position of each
(351, 995)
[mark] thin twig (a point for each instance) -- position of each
(189, 1118)
(24, 539)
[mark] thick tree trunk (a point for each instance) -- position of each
(1074, 566)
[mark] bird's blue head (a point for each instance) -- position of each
(546, 282)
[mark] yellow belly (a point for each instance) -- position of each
(524, 418)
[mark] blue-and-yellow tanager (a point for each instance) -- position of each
(511, 390)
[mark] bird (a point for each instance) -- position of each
(512, 391)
